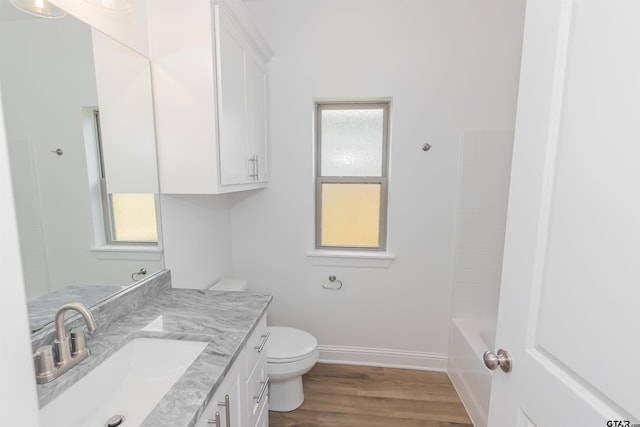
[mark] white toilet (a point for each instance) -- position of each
(291, 354)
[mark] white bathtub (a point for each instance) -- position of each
(471, 379)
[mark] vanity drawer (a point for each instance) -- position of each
(257, 346)
(257, 390)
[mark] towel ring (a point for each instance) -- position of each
(336, 287)
(141, 272)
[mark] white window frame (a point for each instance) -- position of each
(382, 180)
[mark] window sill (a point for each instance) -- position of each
(333, 258)
(125, 252)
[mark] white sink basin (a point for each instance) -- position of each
(130, 382)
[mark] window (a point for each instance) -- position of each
(129, 218)
(351, 175)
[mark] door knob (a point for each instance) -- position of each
(501, 359)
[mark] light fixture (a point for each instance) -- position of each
(41, 8)
(115, 6)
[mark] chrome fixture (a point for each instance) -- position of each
(141, 272)
(58, 151)
(69, 351)
(263, 390)
(501, 359)
(216, 420)
(114, 421)
(227, 409)
(265, 338)
(337, 284)
(41, 8)
(254, 167)
(426, 147)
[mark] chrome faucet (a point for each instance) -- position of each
(69, 351)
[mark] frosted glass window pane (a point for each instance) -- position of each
(350, 214)
(351, 142)
(134, 217)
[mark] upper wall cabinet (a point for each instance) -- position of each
(209, 67)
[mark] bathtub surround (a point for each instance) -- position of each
(481, 218)
(481, 213)
(224, 319)
(111, 309)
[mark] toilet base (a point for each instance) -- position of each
(287, 395)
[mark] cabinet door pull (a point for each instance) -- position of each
(227, 409)
(260, 347)
(215, 421)
(263, 389)
(257, 168)
(252, 168)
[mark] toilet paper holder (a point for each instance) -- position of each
(332, 279)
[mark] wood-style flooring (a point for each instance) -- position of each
(364, 396)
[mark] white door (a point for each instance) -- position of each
(570, 299)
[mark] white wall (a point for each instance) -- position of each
(449, 65)
(47, 73)
(196, 231)
(18, 401)
(481, 218)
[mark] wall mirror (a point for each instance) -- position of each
(80, 130)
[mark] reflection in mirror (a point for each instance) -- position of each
(79, 122)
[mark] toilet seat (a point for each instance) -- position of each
(288, 345)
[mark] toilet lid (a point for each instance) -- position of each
(289, 344)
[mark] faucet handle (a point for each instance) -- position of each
(63, 351)
(43, 359)
(77, 341)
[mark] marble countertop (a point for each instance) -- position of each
(224, 319)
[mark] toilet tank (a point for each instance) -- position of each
(237, 285)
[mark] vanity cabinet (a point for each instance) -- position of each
(241, 400)
(210, 83)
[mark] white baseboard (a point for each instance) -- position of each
(383, 357)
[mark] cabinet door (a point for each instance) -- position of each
(232, 104)
(229, 401)
(257, 125)
(242, 105)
